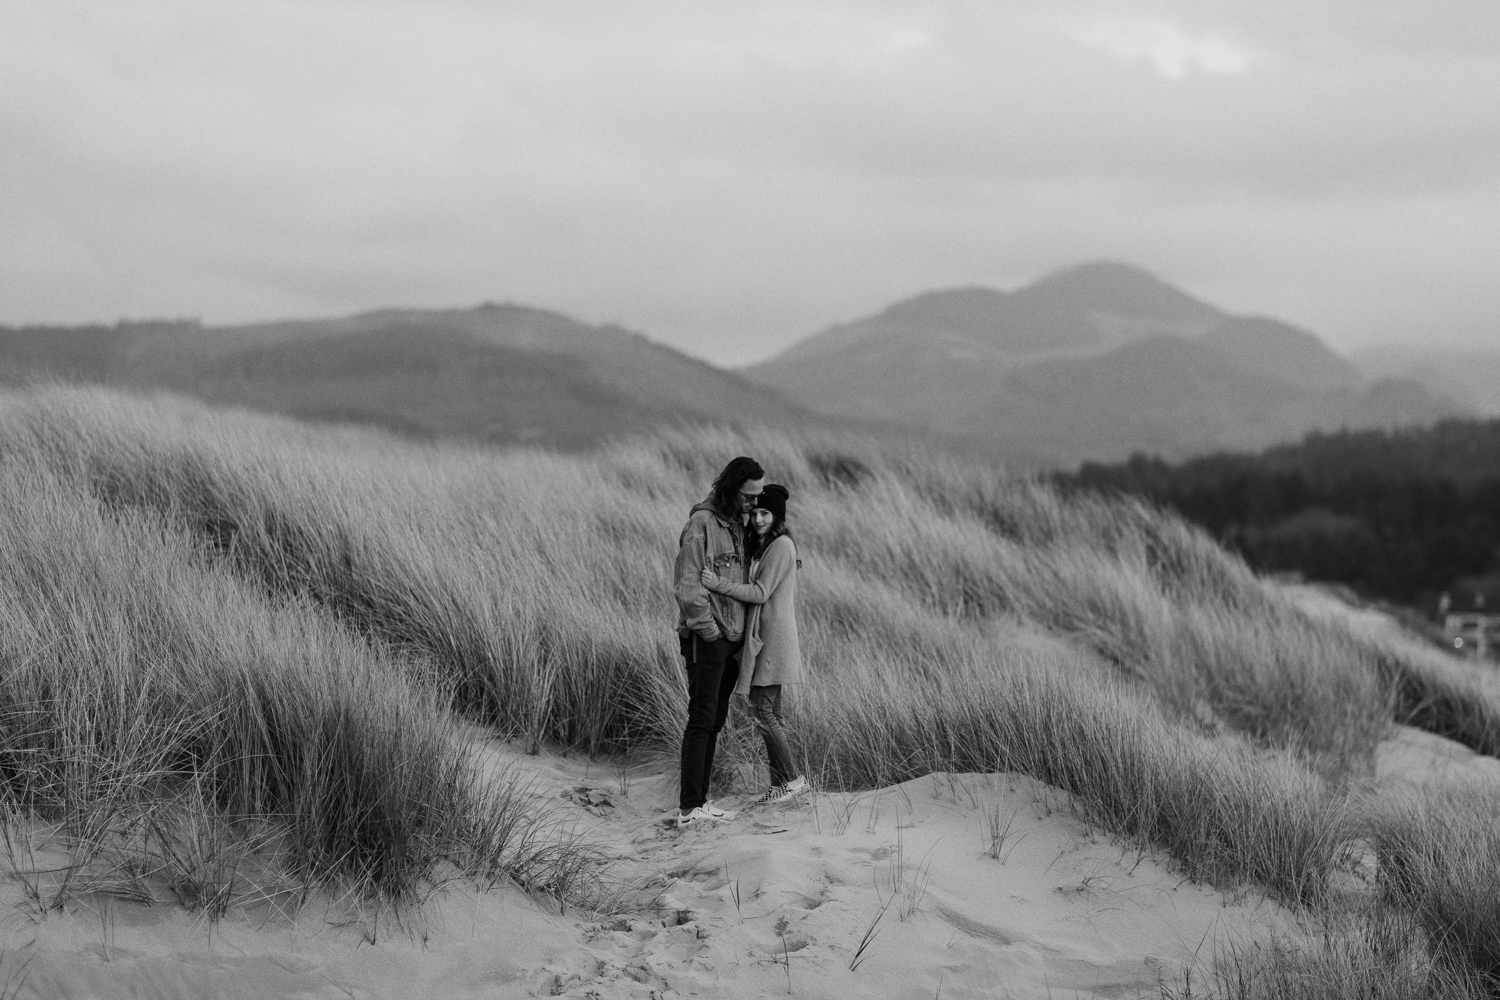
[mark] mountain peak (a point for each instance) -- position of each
(955, 308)
(1099, 359)
(1116, 288)
(1088, 306)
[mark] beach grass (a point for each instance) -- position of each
(140, 678)
(1439, 853)
(310, 624)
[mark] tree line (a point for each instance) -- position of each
(1401, 515)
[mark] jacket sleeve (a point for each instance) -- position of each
(687, 585)
(779, 560)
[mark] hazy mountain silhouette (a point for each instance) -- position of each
(1273, 348)
(501, 373)
(1097, 361)
(1472, 376)
(1094, 362)
(1084, 307)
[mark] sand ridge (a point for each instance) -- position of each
(776, 901)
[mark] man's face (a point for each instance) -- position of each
(749, 490)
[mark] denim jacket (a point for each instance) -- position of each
(709, 539)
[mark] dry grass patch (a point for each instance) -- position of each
(290, 619)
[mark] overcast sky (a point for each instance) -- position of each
(731, 177)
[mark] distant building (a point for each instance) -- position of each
(1475, 635)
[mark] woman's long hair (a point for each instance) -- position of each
(755, 543)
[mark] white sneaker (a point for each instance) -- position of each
(699, 816)
(785, 793)
(722, 815)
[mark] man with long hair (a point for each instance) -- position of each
(711, 627)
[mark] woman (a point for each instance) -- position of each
(772, 656)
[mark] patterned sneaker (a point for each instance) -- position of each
(785, 793)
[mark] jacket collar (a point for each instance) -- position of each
(728, 522)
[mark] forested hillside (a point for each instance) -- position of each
(1400, 515)
(501, 374)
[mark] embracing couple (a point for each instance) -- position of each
(736, 585)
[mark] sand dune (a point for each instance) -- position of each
(977, 885)
(777, 900)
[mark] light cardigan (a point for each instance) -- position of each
(772, 652)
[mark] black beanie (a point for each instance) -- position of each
(773, 498)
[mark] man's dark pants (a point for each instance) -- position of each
(712, 669)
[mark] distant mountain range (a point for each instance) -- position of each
(1472, 376)
(497, 373)
(1096, 362)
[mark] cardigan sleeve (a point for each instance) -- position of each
(779, 560)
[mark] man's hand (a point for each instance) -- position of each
(708, 576)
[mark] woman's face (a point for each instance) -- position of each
(760, 520)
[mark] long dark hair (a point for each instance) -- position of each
(755, 543)
(772, 500)
(739, 471)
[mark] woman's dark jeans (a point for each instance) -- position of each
(712, 669)
(765, 703)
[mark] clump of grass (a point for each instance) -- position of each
(134, 671)
(999, 831)
(905, 883)
(1439, 859)
(1365, 952)
(179, 849)
(405, 550)
(1226, 809)
(1430, 688)
(1437, 692)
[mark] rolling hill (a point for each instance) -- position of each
(498, 373)
(1094, 362)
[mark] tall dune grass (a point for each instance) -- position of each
(323, 599)
(534, 584)
(1433, 690)
(1228, 811)
(1363, 952)
(1439, 853)
(134, 670)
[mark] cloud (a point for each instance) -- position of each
(1170, 47)
(731, 177)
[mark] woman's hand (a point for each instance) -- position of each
(708, 577)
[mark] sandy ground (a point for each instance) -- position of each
(951, 886)
(965, 886)
(974, 885)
